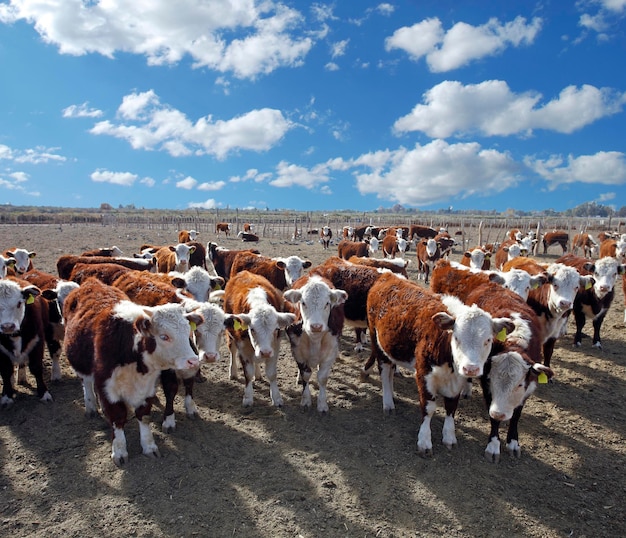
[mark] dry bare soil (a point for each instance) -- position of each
(267, 472)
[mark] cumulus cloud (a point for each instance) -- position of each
(37, 155)
(81, 111)
(244, 38)
(492, 109)
(188, 183)
(207, 204)
(125, 179)
(289, 175)
(148, 124)
(602, 168)
(211, 186)
(461, 44)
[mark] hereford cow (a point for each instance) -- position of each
(555, 237)
(224, 227)
(326, 234)
(104, 272)
(222, 258)
(477, 258)
(197, 256)
(119, 349)
(248, 237)
(417, 231)
(347, 233)
(347, 249)
(593, 301)
(275, 270)
(428, 251)
(23, 317)
(199, 283)
(507, 250)
(109, 252)
(586, 243)
(5, 265)
(395, 265)
(614, 248)
(440, 338)
(248, 228)
(446, 243)
(173, 258)
(314, 337)
(552, 301)
(255, 339)
(394, 246)
(66, 263)
(23, 259)
(184, 236)
(513, 369)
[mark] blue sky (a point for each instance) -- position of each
(313, 106)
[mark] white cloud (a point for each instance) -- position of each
(165, 32)
(208, 204)
(81, 111)
(37, 155)
(331, 66)
(212, 186)
(159, 126)
(436, 172)
(463, 43)
(289, 175)
(148, 182)
(602, 168)
(490, 108)
(339, 48)
(125, 179)
(187, 183)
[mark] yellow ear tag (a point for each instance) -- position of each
(193, 325)
(217, 287)
(535, 285)
(542, 378)
(239, 326)
(588, 285)
(501, 336)
(30, 300)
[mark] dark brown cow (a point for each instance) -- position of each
(428, 252)
(119, 349)
(514, 367)
(66, 263)
(273, 270)
(440, 338)
(555, 237)
(224, 227)
(23, 317)
(347, 249)
(421, 232)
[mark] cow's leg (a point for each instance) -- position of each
(597, 324)
(6, 372)
(248, 373)
(322, 379)
(271, 372)
(35, 365)
(579, 318)
(190, 406)
(449, 433)
(424, 436)
(116, 414)
(148, 446)
(512, 436)
(492, 452)
(548, 350)
(169, 382)
(386, 376)
(91, 402)
(305, 376)
(232, 348)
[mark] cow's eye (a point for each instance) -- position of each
(165, 337)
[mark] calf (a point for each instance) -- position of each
(23, 259)
(552, 301)
(514, 366)
(222, 258)
(477, 258)
(421, 232)
(428, 252)
(197, 256)
(173, 258)
(255, 339)
(346, 249)
(23, 316)
(248, 237)
(394, 246)
(119, 349)
(441, 339)
(184, 236)
(395, 265)
(66, 263)
(270, 268)
(614, 248)
(556, 237)
(446, 243)
(314, 338)
(326, 234)
(348, 233)
(593, 301)
(223, 227)
(199, 283)
(586, 243)
(5, 265)
(105, 251)
(507, 250)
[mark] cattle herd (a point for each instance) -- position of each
(130, 326)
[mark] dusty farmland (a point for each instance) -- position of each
(266, 472)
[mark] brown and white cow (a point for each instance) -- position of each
(477, 258)
(199, 283)
(272, 269)
(173, 258)
(256, 338)
(184, 236)
(395, 265)
(585, 243)
(104, 251)
(393, 246)
(514, 366)
(507, 250)
(552, 301)
(421, 232)
(105, 272)
(314, 337)
(223, 227)
(347, 232)
(326, 234)
(555, 237)
(6, 264)
(119, 349)
(428, 251)
(440, 338)
(446, 243)
(347, 249)
(23, 316)
(23, 259)
(66, 263)
(248, 228)
(615, 248)
(248, 237)
(222, 258)
(593, 301)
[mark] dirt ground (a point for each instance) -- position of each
(266, 472)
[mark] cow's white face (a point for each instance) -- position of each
(477, 258)
(5, 263)
(473, 332)
(294, 268)
(13, 301)
(521, 282)
(22, 259)
(514, 251)
(431, 247)
(209, 335)
(564, 285)
(605, 274)
(373, 245)
(316, 299)
(193, 234)
(182, 252)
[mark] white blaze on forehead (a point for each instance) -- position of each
(507, 379)
(605, 274)
(182, 252)
(316, 299)
(472, 334)
(431, 247)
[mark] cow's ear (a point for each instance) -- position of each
(589, 266)
(497, 278)
(443, 320)
(621, 269)
(192, 250)
(29, 293)
(293, 296)
(49, 295)
(307, 264)
(143, 324)
(179, 283)
(280, 264)
(32, 254)
(541, 372)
